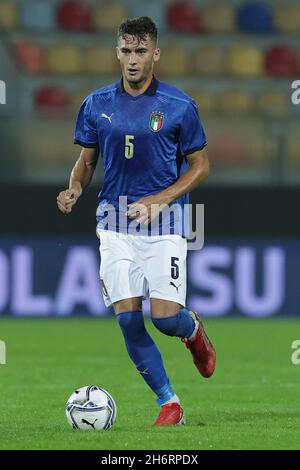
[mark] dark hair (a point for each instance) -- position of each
(138, 27)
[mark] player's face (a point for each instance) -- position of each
(137, 58)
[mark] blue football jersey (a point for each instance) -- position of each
(143, 141)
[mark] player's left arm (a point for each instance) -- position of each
(198, 171)
(147, 208)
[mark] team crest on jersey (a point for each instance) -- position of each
(156, 121)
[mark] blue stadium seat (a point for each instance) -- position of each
(154, 10)
(38, 14)
(256, 17)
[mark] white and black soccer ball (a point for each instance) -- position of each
(91, 408)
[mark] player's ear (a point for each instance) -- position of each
(156, 55)
(118, 52)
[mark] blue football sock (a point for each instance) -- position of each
(145, 354)
(165, 394)
(181, 324)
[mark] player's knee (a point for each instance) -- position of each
(167, 325)
(131, 323)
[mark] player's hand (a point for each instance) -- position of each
(146, 209)
(66, 200)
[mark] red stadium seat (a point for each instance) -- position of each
(282, 61)
(74, 16)
(237, 143)
(52, 97)
(184, 17)
(31, 57)
(230, 150)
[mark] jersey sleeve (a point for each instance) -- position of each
(192, 136)
(85, 130)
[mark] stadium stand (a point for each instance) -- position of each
(38, 15)
(293, 149)
(64, 59)
(78, 96)
(219, 18)
(52, 97)
(235, 102)
(175, 60)
(100, 60)
(255, 17)
(30, 57)
(107, 16)
(273, 103)
(214, 66)
(236, 58)
(245, 61)
(74, 16)
(9, 16)
(205, 100)
(287, 17)
(282, 61)
(183, 17)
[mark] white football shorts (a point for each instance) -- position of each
(142, 266)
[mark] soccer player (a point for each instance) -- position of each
(152, 145)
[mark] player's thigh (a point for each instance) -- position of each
(164, 308)
(121, 277)
(128, 305)
(165, 270)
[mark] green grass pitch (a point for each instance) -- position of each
(252, 401)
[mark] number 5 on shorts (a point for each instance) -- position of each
(174, 267)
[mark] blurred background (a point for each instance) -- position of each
(238, 60)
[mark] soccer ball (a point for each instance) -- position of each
(91, 408)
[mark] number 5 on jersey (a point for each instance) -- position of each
(129, 147)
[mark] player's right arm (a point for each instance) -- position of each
(80, 178)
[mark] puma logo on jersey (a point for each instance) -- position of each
(107, 117)
(172, 284)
